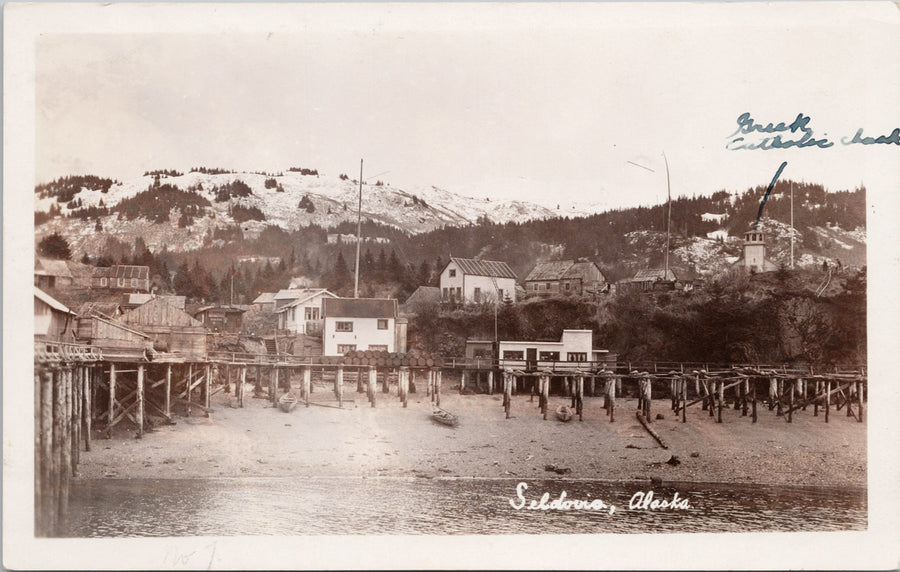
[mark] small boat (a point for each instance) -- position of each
(287, 402)
(444, 417)
(564, 413)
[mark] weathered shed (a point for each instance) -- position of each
(109, 334)
(172, 330)
(52, 319)
(221, 318)
(51, 273)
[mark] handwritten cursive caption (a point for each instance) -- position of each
(641, 500)
(751, 135)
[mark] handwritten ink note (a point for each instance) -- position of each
(752, 135)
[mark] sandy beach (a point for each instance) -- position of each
(388, 440)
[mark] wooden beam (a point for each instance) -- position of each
(140, 402)
(112, 400)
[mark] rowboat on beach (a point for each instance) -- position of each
(287, 402)
(564, 413)
(444, 417)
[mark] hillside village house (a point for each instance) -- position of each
(465, 280)
(265, 302)
(53, 321)
(51, 273)
(647, 280)
(568, 277)
(301, 311)
(362, 324)
(122, 277)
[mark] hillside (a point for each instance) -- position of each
(308, 222)
(217, 200)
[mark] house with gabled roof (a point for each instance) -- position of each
(126, 277)
(51, 273)
(567, 277)
(466, 280)
(303, 312)
(362, 324)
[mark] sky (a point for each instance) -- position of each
(547, 103)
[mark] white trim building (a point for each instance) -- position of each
(304, 313)
(465, 280)
(362, 324)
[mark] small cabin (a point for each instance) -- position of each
(51, 273)
(221, 318)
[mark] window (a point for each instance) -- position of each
(378, 347)
(134, 282)
(511, 354)
(576, 356)
(344, 348)
(549, 356)
(459, 292)
(343, 326)
(120, 282)
(500, 293)
(446, 293)
(103, 282)
(568, 286)
(452, 273)
(478, 294)
(294, 314)
(312, 313)
(382, 324)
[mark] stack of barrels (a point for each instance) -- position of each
(376, 358)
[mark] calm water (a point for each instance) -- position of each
(294, 506)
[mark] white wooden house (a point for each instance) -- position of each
(302, 311)
(361, 324)
(574, 347)
(465, 280)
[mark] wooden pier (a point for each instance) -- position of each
(82, 391)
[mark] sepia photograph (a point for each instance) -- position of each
(450, 285)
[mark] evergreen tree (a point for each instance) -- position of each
(55, 246)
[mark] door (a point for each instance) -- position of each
(531, 359)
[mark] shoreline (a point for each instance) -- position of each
(362, 442)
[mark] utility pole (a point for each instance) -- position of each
(792, 225)
(669, 216)
(358, 228)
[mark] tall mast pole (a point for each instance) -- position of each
(792, 225)
(669, 215)
(358, 227)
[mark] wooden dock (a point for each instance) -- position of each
(82, 391)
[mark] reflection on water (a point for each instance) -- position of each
(309, 506)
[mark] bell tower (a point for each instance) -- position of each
(754, 251)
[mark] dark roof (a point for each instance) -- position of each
(123, 271)
(360, 308)
(580, 269)
(549, 270)
(425, 294)
(104, 308)
(227, 309)
(484, 268)
(653, 275)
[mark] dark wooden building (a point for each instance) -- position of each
(172, 330)
(123, 277)
(221, 318)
